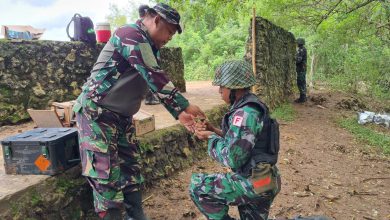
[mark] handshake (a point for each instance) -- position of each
(195, 121)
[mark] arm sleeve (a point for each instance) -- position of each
(136, 49)
(304, 56)
(234, 150)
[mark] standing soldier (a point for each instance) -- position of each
(248, 144)
(127, 67)
(301, 59)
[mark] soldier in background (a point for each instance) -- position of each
(301, 59)
(245, 145)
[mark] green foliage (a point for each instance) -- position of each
(284, 112)
(64, 184)
(349, 39)
(36, 198)
(201, 56)
(120, 16)
(367, 135)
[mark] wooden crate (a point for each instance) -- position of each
(65, 112)
(144, 122)
(60, 115)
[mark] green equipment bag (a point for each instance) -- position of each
(263, 178)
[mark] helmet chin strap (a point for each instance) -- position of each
(232, 96)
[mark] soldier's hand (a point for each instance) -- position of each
(203, 125)
(195, 111)
(200, 126)
(203, 135)
(187, 120)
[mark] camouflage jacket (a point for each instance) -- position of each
(126, 68)
(234, 149)
(301, 59)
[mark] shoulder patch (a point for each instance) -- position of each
(237, 120)
(147, 55)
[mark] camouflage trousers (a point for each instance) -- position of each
(109, 154)
(301, 82)
(214, 193)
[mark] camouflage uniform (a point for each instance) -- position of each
(242, 125)
(126, 69)
(301, 59)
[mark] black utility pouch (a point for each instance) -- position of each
(274, 137)
(263, 178)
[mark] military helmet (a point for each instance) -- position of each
(234, 74)
(301, 41)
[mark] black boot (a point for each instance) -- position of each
(301, 99)
(151, 99)
(133, 205)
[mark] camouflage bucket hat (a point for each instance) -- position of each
(169, 14)
(301, 41)
(234, 74)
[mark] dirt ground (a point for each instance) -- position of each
(200, 93)
(324, 170)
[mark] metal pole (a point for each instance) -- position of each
(254, 45)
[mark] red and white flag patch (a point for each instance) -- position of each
(237, 121)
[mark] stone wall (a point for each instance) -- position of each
(68, 196)
(275, 61)
(35, 73)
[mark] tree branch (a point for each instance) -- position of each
(360, 6)
(324, 17)
(383, 25)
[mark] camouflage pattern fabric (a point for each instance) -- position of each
(169, 14)
(109, 155)
(213, 193)
(301, 82)
(133, 49)
(301, 60)
(234, 74)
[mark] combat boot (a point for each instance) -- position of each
(151, 99)
(133, 206)
(301, 99)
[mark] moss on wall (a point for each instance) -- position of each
(33, 74)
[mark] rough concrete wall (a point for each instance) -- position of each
(275, 61)
(68, 196)
(35, 73)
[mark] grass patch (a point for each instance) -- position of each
(284, 112)
(366, 135)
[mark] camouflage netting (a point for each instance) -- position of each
(275, 62)
(35, 73)
(172, 61)
(68, 196)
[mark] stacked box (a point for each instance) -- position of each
(46, 151)
(144, 122)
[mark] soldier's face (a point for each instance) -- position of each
(225, 93)
(162, 32)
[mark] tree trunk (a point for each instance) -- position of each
(312, 69)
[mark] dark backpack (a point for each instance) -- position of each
(83, 29)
